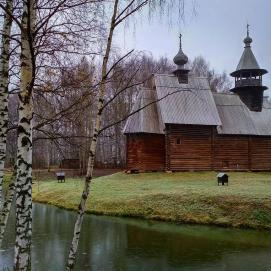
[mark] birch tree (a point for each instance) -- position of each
(219, 82)
(49, 36)
(121, 11)
(47, 29)
(11, 147)
(22, 260)
(4, 79)
(90, 165)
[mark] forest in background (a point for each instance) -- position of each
(65, 104)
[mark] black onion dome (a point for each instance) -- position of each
(248, 40)
(180, 59)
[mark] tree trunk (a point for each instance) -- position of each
(4, 74)
(22, 260)
(93, 144)
(7, 205)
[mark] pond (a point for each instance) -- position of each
(122, 244)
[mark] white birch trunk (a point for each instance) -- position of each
(93, 144)
(4, 74)
(22, 257)
(7, 205)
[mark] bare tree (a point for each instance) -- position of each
(24, 155)
(11, 148)
(45, 28)
(52, 33)
(4, 80)
(82, 205)
(218, 82)
(120, 13)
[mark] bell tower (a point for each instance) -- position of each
(248, 78)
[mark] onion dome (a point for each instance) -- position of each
(180, 59)
(248, 40)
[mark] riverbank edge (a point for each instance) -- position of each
(248, 226)
(179, 198)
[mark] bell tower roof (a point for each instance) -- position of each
(248, 78)
(248, 62)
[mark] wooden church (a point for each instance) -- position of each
(185, 126)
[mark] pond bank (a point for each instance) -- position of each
(177, 197)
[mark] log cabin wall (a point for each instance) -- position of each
(242, 152)
(260, 149)
(230, 152)
(189, 147)
(194, 147)
(146, 152)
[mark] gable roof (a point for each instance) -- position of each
(262, 120)
(237, 119)
(190, 103)
(234, 115)
(195, 104)
(146, 120)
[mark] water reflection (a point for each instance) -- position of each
(115, 244)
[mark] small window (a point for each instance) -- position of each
(178, 141)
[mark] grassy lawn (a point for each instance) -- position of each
(189, 197)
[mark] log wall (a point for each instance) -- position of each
(195, 147)
(189, 147)
(260, 153)
(231, 152)
(146, 152)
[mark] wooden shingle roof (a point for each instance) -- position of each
(146, 120)
(190, 103)
(248, 61)
(237, 119)
(195, 104)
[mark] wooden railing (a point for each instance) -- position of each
(248, 82)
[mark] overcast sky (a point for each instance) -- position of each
(215, 32)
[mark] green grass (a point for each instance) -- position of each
(6, 181)
(187, 197)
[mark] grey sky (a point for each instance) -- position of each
(216, 32)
